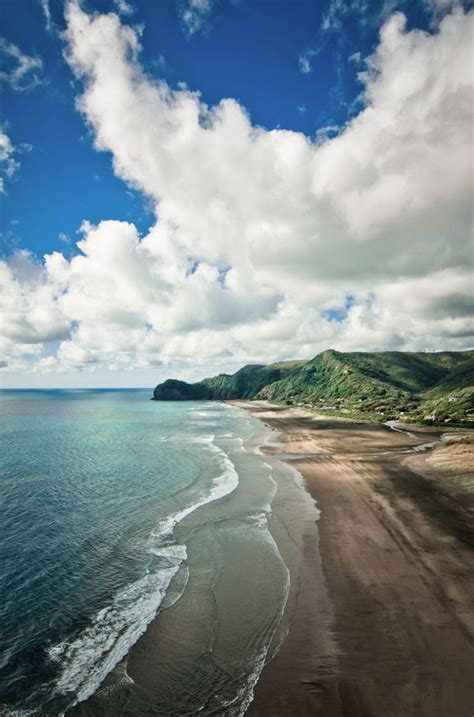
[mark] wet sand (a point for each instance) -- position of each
(396, 542)
(203, 653)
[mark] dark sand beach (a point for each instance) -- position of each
(396, 540)
(204, 651)
(379, 620)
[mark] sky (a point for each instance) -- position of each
(187, 186)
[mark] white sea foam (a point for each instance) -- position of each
(176, 551)
(246, 693)
(87, 660)
(272, 481)
(204, 439)
(260, 520)
(224, 484)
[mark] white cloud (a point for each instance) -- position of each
(326, 132)
(331, 19)
(260, 233)
(442, 6)
(47, 14)
(195, 15)
(20, 71)
(340, 9)
(355, 58)
(159, 64)
(29, 312)
(8, 164)
(305, 61)
(123, 7)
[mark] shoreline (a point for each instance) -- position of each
(133, 686)
(364, 529)
(312, 650)
(396, 538)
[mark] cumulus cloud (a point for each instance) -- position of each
(30, 312)
(20, 71)
(262, 234)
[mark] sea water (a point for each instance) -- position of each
(118, 512)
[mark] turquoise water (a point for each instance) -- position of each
(115, 509)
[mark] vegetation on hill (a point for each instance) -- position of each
(246, 383)
(429, 387)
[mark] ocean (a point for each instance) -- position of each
(120, 514)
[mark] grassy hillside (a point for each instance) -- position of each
(461, 375)
(431, 387)
(246, 383)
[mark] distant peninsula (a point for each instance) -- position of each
(427, 387)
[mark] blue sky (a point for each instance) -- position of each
(290, 66)
(249, 50)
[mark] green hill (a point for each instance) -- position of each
(246, 383)
(432, 387)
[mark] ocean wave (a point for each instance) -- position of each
(88, 659)
(207, 413)
(241, 701)
(224, 484)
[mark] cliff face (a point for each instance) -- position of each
(422, 386)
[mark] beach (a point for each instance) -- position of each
(284, 564)
(392, 631)
(153, 555)
(229, 607)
